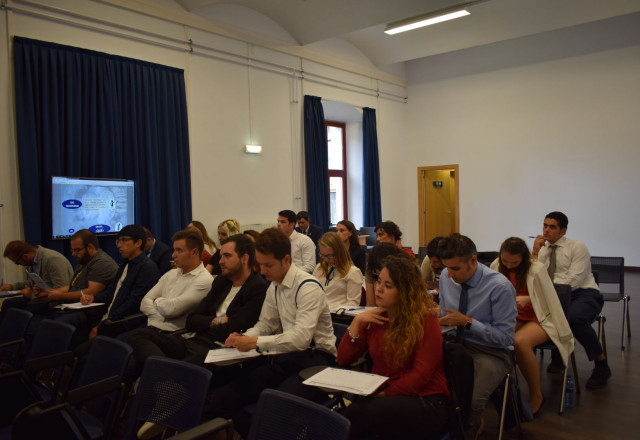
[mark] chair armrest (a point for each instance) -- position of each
(204, 431)
(32, 366)
(93, 390)
(130, 318)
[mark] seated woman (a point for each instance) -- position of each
(342, 281)
(432, 265)
(540, 314)
(405, 343)
(209, 245)
(226, 229)
(374, 266)
(347, 232)
(389, 232)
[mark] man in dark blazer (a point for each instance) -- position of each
(158, 252)
(136, 275)
(307, 228)
(232, 305)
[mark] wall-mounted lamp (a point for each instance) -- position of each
(253, 149)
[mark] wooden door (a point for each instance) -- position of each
(438, 201)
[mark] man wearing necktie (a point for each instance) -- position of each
(569, 262)
(481, 303)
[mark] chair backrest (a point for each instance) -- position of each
(13, 328)
(282, 416)
(487, 257)
(564, 295)
(339, 329)
(14, 325)
(107, 357)
(610, 271)
(458, 368)
(170, 393)
(52, 337)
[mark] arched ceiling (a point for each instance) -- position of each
(360, 23)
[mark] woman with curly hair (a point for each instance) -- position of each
(405, 343)
(342, 281)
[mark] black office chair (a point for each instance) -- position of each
(12, 331)
(610, 272)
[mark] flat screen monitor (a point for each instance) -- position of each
(103, 206)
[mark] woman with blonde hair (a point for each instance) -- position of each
(405, 344)
(226, 229)
(342, 281)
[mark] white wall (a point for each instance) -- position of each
(230, 104)
(560, 132)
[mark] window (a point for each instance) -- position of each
(337, 149)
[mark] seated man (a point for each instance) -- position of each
(51, 266)
(294, 326)
(481, 303)
(232, 305)
(303, 251)
(431, 267)
(568, 262)
(178, 291)
(135, 277)
(305, 227)
(158, 252)
(94, 271)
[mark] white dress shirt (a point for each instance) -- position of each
(303, 251)
(573, 263)
(174, 296)
(341, 291)
(303, 316)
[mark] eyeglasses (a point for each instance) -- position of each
(122, 240)
(77, 250)
(328, 256)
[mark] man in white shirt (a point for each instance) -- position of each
(303, 251)
(294, 324)
(568, 262)
(180, 290)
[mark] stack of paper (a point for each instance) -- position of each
(347, 380)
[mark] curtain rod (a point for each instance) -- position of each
(190, 45)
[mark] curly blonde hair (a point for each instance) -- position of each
(407, 328)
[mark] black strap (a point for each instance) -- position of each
(309, 280)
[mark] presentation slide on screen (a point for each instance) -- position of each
(103, 206)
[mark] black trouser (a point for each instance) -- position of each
(402, 417)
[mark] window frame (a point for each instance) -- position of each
(340, 173)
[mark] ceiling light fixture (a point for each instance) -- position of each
(253, 149)
(425, 20)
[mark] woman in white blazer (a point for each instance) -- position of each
(540, 314)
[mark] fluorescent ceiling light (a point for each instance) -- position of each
(253, 149)
(415, 23)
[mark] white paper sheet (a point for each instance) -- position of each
(228, 354)
(347, 380)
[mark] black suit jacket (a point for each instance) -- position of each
(314, 232)
(161, 255)
(142, 275)
(242, 313)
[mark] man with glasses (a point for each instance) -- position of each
(136, 275)
(51, 266)
(93, 274)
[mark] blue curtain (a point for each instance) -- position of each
(316, 159)
(82, 113)
(372, 206)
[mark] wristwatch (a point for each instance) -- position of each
(467, 325)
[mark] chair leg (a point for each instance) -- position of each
(575, 373)
(626, 325)
(628, 320)
(504, 406)
(602, 320)
(564, 389)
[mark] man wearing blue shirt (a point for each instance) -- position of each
(481, 303)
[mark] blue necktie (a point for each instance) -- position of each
(462, 308)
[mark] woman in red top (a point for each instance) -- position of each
(405, 344)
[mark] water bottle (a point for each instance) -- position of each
(570, 393)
